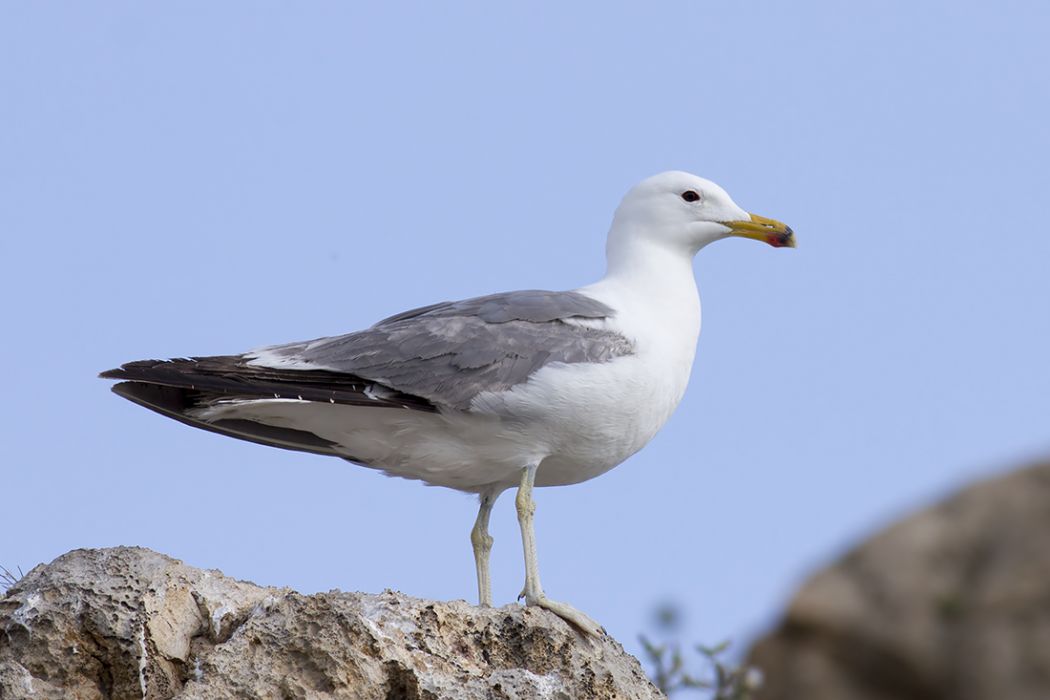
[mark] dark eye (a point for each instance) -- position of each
(691, 196)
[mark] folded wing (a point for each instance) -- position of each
(431, 359)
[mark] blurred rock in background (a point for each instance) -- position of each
(950, 604)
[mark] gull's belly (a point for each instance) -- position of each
(587, 419)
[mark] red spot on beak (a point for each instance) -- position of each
(782, 240)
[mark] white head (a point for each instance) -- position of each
(683, 213)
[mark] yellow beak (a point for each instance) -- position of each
(760, 228)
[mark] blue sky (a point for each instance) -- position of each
(202, 178)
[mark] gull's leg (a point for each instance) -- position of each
(533, 592)
(482, 542)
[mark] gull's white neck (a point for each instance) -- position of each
(651, 284)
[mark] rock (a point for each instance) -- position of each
(131, 623)
(950, 604)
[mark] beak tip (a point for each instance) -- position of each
(783, 240)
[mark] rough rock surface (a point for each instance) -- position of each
(131, 623)
(950, 604)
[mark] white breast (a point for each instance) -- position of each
(588, 418)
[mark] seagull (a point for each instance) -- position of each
(517, 389)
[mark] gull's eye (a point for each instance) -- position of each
(691, 196)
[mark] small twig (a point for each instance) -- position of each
(8, 579)
(724, 681)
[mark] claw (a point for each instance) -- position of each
(570, 614)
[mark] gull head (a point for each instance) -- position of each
(685, 212)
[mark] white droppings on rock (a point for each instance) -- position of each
(28, 609)
(142, 658)
(382, 620)
(543, 687)
(26, 681)
(216, 619)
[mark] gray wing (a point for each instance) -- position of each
(449, 353)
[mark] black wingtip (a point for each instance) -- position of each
(228, 375)
(121, 389)
(171, 401)
(137, 370)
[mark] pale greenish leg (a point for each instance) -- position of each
(482, 542)
(533, 592)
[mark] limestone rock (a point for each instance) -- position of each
(950, 604)
(131, 623)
